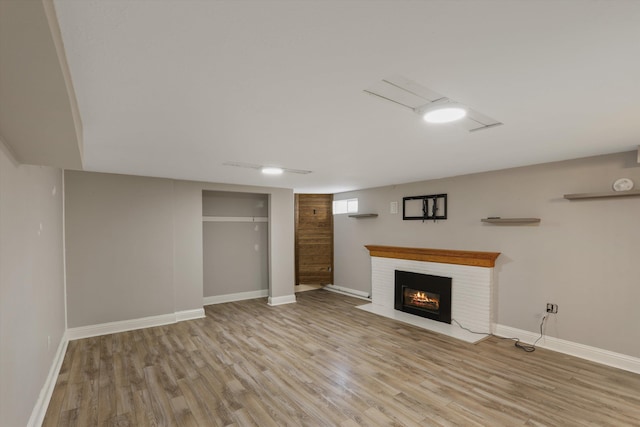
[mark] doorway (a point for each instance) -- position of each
(314, 239)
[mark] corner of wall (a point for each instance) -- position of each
(286, 299)
(42, 404)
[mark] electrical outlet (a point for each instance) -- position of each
(552, 308)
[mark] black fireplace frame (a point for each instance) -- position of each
(426, 283)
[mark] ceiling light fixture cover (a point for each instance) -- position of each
(419, 99)
(268, 170)
(444, 113)
(260, 167)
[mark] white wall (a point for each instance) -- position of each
(31, 283)
(582, 256)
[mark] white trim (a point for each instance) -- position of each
(235, 219)
(198, 313)
(40, 408)
(64, 249)
(132, 324)
(348, 291)
(287, 299)
(240, 296)
(594, 354)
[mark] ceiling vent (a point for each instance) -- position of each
(417, 98)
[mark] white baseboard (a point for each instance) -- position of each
(240, 296)
(120, 326)
(40, 408)
(594, 354)
(348, 291)
(287, 299)
(197, 313)
(132, 324)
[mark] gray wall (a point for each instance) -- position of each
(187, 239)
(135, 247)
(582, 256)
(234, 204)
(119, 247)
(31, 283)
(236, 257)
(281, 233)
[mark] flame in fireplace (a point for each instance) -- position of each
(421, 299)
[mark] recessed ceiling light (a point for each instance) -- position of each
(444, 113)
(268, 170)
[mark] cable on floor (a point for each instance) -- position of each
(518, 343)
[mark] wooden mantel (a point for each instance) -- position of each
(444, 256)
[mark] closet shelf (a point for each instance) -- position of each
(367, 215)
(602, 195)
(235, 219)
(511, 220)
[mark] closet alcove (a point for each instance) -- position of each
(235, 229)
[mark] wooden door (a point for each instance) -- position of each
(314, 239)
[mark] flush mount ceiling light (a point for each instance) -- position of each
(443, 113)
(267, 170)
(432, 106)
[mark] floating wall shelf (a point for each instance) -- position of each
(369, 215)
(603, 195)
(511, 220)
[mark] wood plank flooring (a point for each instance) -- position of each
(321, 362)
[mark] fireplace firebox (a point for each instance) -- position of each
(423, 295)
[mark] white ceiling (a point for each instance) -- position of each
(176, 88)
(39, 120)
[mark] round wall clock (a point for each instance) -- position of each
(623, 184)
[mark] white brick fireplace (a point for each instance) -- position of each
(471, 286)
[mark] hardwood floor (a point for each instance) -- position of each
(321, 362)
(306, 288)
